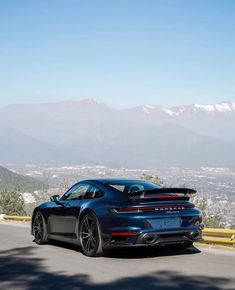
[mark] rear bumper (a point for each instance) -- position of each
(153, 238)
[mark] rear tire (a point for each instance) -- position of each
(39, 229)
(90, 236)
(180, 246)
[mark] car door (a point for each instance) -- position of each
(64, 214)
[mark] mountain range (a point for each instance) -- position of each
(148, 136)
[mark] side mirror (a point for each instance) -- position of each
(55, 198)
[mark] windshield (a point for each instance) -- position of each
(132, 186)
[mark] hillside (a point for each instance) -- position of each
(10, 181)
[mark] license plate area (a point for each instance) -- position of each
(165, 223)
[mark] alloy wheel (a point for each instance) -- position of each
(89, 235)
(39, 229)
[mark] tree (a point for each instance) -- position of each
(210, 220)
(155, 179)
(12, 202)
(232, 227)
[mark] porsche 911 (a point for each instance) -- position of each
(104, 214)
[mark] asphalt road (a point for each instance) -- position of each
(57, 266)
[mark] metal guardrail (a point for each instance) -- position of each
(17, 218)
(209, 236)
(219, 236)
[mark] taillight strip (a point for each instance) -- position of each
(152, 208)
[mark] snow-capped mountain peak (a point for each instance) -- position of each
(220, 107)
(148, 109)
(209, 108)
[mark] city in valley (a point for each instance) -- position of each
(216, 186)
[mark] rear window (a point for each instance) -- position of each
(132, 186)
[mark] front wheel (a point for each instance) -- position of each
(39, 229)
(179, 246)
(90, 236)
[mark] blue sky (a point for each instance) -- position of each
(123, 53)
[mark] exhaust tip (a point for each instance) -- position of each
(195, 235)
(150, 239)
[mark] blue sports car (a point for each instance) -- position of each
(102, 214)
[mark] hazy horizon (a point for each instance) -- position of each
(113, 106)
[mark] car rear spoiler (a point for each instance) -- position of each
(181, 193)
(182, 190)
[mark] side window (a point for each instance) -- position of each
(93, 192)
(119, 187)
(135, 188)
(77, 192)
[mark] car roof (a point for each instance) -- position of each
(113, 179)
